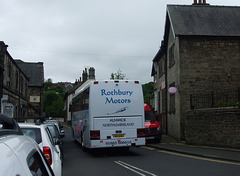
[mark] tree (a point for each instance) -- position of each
(48, 84)
(148, 91)
(53, 99)
(118, 76)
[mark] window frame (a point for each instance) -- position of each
(171, 55)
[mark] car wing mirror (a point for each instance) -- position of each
(62, 134)
(57, 142)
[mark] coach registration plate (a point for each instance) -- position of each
(119, 135)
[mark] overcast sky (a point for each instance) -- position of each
(69, 35)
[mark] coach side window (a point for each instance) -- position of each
(85, 100)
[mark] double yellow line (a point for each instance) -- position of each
(194, 157)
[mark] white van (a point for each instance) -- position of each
(109, 114)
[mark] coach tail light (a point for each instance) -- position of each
(95, 135)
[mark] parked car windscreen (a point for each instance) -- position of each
(33, 133)
(56, 122)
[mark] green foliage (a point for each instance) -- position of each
(225, 104)
(48, 84)
(53, 100)
(118, 76)
(148, 90)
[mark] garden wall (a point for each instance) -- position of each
(213, 127)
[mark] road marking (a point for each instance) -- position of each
(134, 169)
(199, 158)
(149, 148)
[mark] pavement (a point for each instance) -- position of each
(170, 144)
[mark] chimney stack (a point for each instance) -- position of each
(91, 73)
(85, 75)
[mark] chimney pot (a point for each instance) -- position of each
(200, 2)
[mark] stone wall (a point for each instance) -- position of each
(36, 105)
(213, 127)
(207, 64)
(14, 88)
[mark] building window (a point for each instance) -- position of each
(21, 86)
(9, 75)
(17, 78)
(171, 55)
(26, 89)
(161, 67)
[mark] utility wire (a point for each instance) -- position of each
(77, 53)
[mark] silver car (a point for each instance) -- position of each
(20, 155)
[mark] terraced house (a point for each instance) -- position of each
(21, 86)
(199, 56)
(13, 85)
(35, 74)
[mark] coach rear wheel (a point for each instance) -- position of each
(82, 143)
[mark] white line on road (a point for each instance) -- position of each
(134, 169)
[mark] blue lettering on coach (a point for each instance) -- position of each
(116, 92)
(117, 101)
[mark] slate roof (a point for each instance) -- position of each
(204, 20)
(199, 20)
(34, 71)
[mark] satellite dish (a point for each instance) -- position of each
(172, 90)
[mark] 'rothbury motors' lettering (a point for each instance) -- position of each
(115, 92)
(114, 101)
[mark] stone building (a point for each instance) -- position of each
(13, 86)
(86, 78)
(35, 73)
(200, 52)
